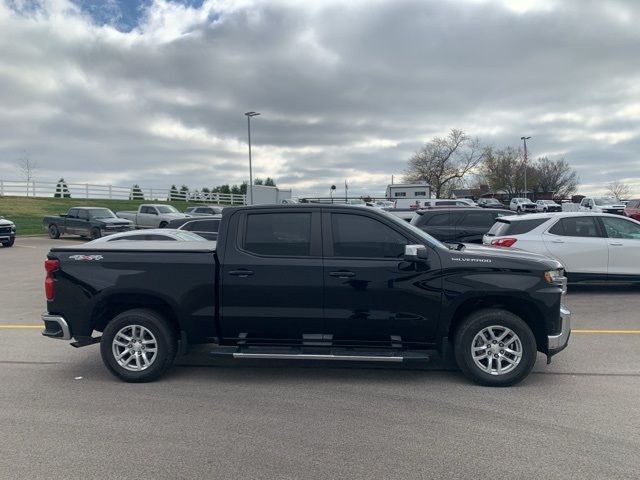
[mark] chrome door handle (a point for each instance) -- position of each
(342, 274)
(616, 244)
(557, 241)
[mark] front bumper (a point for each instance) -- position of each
(557, 343)
(55, 326)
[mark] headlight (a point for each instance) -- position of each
(556, 277)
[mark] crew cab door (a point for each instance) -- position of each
(272, 284)
(371, 293)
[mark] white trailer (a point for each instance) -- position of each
(405, 194)
(265, 195)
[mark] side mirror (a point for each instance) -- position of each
(415, 253)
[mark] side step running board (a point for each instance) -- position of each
(310, 356)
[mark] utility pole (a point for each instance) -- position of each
(524, 139)
(250, 191)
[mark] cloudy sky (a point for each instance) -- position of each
(154, 91)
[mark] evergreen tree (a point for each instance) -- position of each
(62, 190)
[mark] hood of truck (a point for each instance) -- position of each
(488, 255)
(5, 223)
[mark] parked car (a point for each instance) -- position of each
(490, 203)
(448, 202)
(602, 205)
(458, 224)
(152, 216)
(200, 210)
(324, 282)
(206, 227)
(382, 204)
(158, 234)
(632, 209)
(90, 222)
(522, 205)
(405, 214)
(547, 206)
(591, 246)
(7, 232)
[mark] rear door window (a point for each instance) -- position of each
(576, 227)
(278, 234)
(478, 219)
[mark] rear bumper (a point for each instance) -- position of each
(55, 326)
(557, 343)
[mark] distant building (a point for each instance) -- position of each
(408, 191)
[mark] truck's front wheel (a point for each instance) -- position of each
(495, 348)
(138, 346)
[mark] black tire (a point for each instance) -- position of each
(166, 342)
(9, 243)
(477, 322)
(163, 225)
(54, 232)
(95, 233)
(519, 210)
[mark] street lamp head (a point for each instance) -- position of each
(525, 138)
(252, 114)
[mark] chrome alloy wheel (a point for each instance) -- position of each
(496, 350)
(134, 348)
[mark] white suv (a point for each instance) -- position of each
(522, 205)
(590, 246)
(602, 205)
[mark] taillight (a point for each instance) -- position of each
(49, 266)
(503, 242)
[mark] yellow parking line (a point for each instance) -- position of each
(587, 330)
(10, 326)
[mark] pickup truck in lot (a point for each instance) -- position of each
(90, 222)
(152, 216)
(7, 232)
(327, 282)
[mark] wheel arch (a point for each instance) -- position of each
(107, 308)
(526, 309)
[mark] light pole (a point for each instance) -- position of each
(249, 115)
(524, 139)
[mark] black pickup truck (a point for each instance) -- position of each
(90, 222)
(309, 281)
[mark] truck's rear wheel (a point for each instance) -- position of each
(495, 348)
(54, 232)
(138, 346)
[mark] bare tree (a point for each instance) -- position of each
(27, 168)
(556, 176)
(619, 189)
(444, 161)
(503, 169)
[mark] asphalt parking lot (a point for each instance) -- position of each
(62, 415)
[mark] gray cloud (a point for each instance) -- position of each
(344, 91)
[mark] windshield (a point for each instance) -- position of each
(167, 209)
(101, 213)
(606, 201)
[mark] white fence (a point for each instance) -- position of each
(88, 191)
